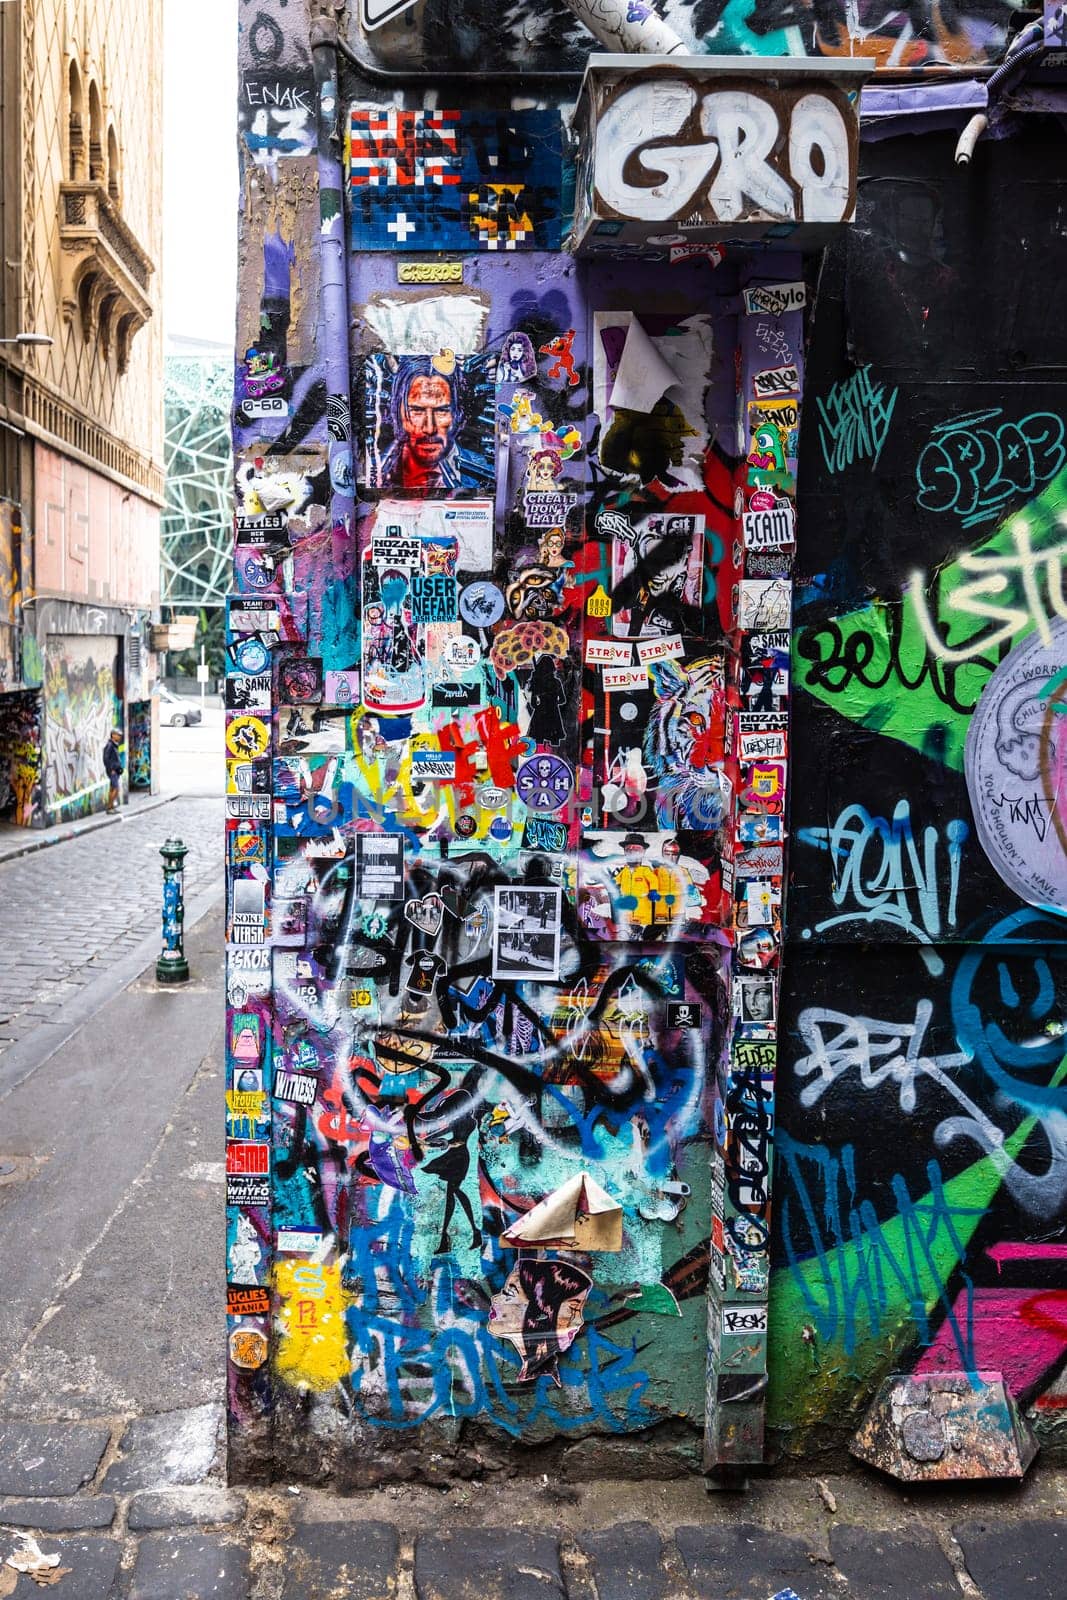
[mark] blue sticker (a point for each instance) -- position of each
(481, 604)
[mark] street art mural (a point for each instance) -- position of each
(139, 734)
(427, 37)
(82, 703)
(921, 1155)
(507, 741)
(514, 759)
(21, 794)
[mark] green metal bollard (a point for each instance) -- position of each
(172, 966)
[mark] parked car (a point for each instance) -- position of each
(175, 711)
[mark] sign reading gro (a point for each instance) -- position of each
(698, 149)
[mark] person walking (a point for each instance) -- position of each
(114, 766)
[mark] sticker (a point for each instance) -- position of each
(616, 678)
(764, 603)
(247, 1300)
(270, 522)
(252, 655)
(715, 254)
(541, 834)
(247, 1191)
(248, 807)
(608, 653)
(772, 529)
(744, 1319)
(763, 786)
(248, 1156)
(341, 688)
(246, 693)
(270, 406)
(248, 922)
(670, 648)
(526, 933)
(462, 652)
(426, 914)
(300, 681)
(546, 508)
(437, 765)
(544, 782)
(396, 552)
(297, 1241)
(775, 381)
(425, 271)
(378, 866)
(757, 948)
(775, 299)
(753, 1000)
(432, 597)
(248, 1348)
(296, 1087)
(455, 696)
(680, 1014)
(481, 604)
(246, 736)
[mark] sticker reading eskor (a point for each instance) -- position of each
(526, 933)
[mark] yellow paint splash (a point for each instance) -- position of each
(310, 1324)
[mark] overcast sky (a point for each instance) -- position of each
(200, 168)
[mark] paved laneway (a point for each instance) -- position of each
(140, 1513)
(69, 911)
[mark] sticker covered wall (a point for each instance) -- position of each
(508, 743)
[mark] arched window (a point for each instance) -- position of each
(114, 174)
(96, 136)
(75, 124)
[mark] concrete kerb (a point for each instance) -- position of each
(24, 1058)
(13, 850)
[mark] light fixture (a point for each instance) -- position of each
(29, 338)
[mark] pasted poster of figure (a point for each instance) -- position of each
(429, 423)
(517, 362)
(540, 1310)
(656, 573)
(660, 740)
(646, 886)
(526, 942)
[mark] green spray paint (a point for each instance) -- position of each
(913, 668)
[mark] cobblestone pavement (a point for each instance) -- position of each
(138, 1511)
(68, 911)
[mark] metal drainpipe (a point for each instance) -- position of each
(632, 28)
(332, 339)
(1029, 43)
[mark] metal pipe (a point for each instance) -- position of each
(969, 138)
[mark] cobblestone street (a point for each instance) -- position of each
(140, 1511)
(68, 912)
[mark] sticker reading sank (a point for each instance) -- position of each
(740, 154)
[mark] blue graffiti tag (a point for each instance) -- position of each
(973, 465)
(854, 420)
(881, 873)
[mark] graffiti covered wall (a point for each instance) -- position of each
(21, 797)
(82, 703)
(507, 728)
(430, 37)
(922, 1138)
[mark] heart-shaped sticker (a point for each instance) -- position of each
(426, 914)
